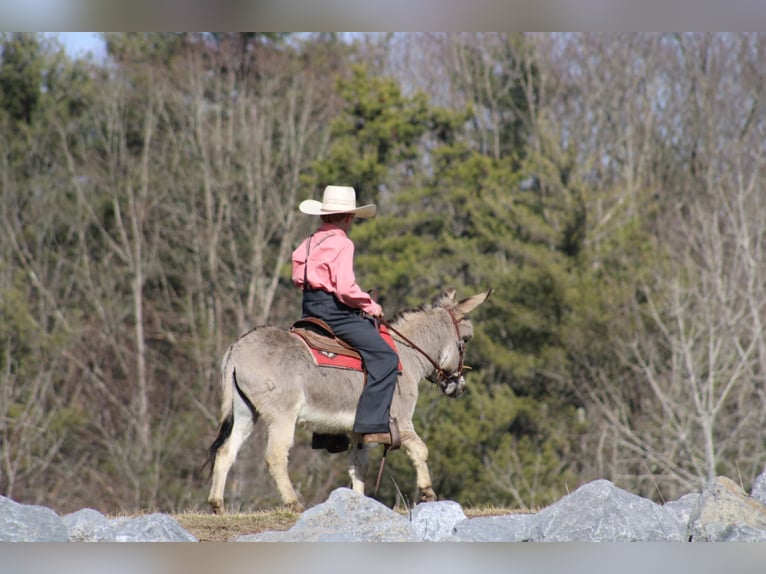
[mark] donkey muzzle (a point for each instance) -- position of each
(453, 386)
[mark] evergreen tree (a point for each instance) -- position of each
(21, 76)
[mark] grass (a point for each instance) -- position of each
(207, 527)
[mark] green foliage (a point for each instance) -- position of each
(21, 76)
(144, 47)
(378, 134)
(17, 328)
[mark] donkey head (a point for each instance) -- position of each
(450, 378)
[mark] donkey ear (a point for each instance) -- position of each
(467, 305)
(446, 298)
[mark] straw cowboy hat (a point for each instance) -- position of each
(337, 199)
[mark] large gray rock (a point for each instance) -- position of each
(508, 528)
(89, 525)
(150, 528)
(722, 506)
(758, 491)
(435, 521)
(683, 507)
(738, 533)
(346, 516)
(601, 512)
(30, 523)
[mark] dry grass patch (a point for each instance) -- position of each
(207, 527)
(480, 511)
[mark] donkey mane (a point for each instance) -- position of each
(437, 302)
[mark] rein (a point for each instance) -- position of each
(439, 371)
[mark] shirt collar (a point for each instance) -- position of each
(331, 227)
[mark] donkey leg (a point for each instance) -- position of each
(417, 450)
(281, 436)
(227, 452)
(358, 463)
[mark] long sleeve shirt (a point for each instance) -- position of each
(327, 263)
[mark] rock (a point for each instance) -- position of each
(508, 528)
(724, 504)
(758, 491)
(601, 512)
(596, 512)
(317, 535)
(150, 528)
(30, 523)
(435, 521)
(89, 525)
(346, 516)
(683, 508)
(740, 533)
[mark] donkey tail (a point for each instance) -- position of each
(226, 420)
(228, 382)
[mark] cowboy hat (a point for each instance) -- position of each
(337, 199)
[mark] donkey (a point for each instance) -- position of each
(269, 373)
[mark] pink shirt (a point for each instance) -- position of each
(331, 268)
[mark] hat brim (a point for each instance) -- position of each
(314, 207)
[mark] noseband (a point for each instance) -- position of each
(439, 371)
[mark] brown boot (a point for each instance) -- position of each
(391, 439)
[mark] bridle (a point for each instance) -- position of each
(439, 373)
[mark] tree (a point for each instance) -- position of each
(41, 412)
(21, 76)
(698, 348)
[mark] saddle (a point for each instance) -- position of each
(327, 349)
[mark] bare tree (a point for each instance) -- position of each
(37, 250)
(249, 121)
(690, 402)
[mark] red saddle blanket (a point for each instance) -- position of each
(329, 351)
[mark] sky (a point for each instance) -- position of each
(80, 43)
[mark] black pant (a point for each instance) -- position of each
(380, 360)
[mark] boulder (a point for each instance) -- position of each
(724, 510)
(154, 527)
(30, 523)
(601, 512)
(683, 507)
(435, 521)
(758, 492)
(508, 528)
(346, 516)
(89, 525)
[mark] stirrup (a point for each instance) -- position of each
(390, 440)
(396, 437)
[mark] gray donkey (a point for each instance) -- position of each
(269, 373)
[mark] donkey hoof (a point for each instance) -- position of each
(427, 495)
(216, 507)
(296, 507)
